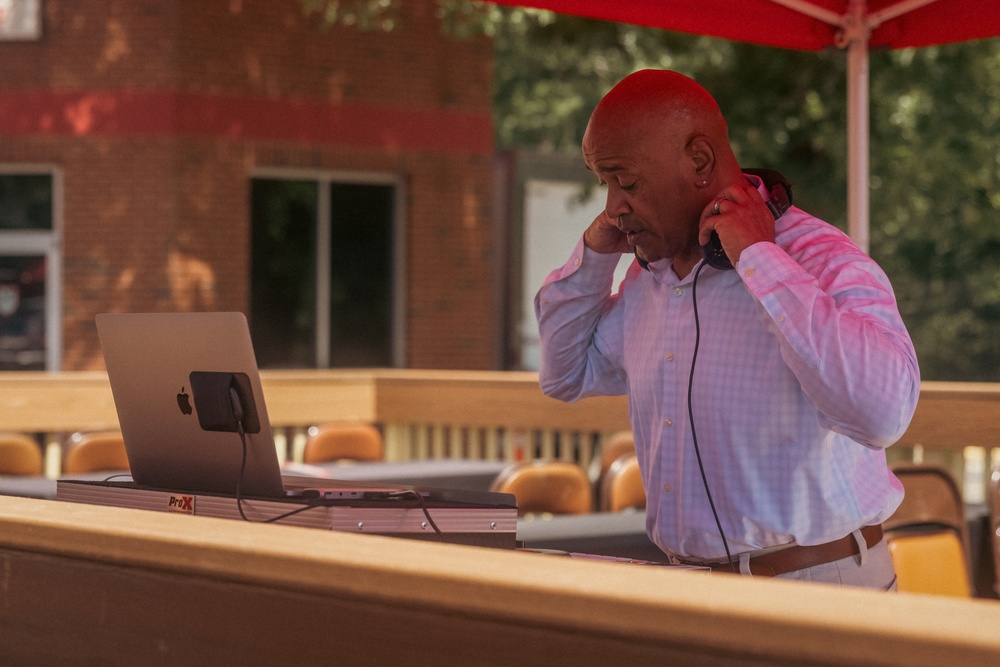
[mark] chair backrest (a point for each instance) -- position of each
(932, 563)
(932, 501)
(20, 455)
(95, 452)
(621, 488)
(933, 510)
(616, 446)
(994, 517)
(552, 487)
(343, 441)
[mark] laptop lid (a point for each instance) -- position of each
(180, 382)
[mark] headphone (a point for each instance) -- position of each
(779, 187)
(779, 200)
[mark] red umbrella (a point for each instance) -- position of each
(855, 26)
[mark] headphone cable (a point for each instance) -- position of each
(694, 434)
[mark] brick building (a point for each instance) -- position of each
(333, 184)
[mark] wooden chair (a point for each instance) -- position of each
(617, 445)
(550, 487)
(932, 563)
(928, 534)
(20, 455)
(343, 441)
(95, 452)
(621, 488)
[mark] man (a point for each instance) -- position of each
(761, 399)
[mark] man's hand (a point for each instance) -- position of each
(604, 236)
(740, 217)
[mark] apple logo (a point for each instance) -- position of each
(184, 402)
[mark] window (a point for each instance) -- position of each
(323, 286)
(20, 19)
(29, 269)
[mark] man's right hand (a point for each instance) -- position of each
(604, 236)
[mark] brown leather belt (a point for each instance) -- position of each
(799, 558)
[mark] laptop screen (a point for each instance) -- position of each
(182, 382)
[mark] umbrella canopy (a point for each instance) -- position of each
(855, 26)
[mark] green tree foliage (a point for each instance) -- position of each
(936, 200)
(935, 154)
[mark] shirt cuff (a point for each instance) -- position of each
(589, 266)
(764, 265)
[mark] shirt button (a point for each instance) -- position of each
(670, 356)
(780, 318)
(666, 488)
(577, 262)
(749, 273)
(668, 422)
(678, 291)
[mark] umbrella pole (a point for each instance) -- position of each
(855, 35)
(857, 142)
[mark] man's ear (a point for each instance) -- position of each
(702, 156)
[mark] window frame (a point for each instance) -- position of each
(48, 243)
(324, 179)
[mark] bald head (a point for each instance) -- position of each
(656, 101)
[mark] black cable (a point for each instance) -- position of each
(239, 483)
(423, 506)
(292, 512)
(238, 417)
(243, 467)
(694, 435)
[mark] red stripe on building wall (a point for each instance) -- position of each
(159, 114)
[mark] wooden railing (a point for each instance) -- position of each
(107, 585)
(474, 414)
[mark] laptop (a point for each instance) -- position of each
(183, 385)
(189, 399)
(187, 392)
